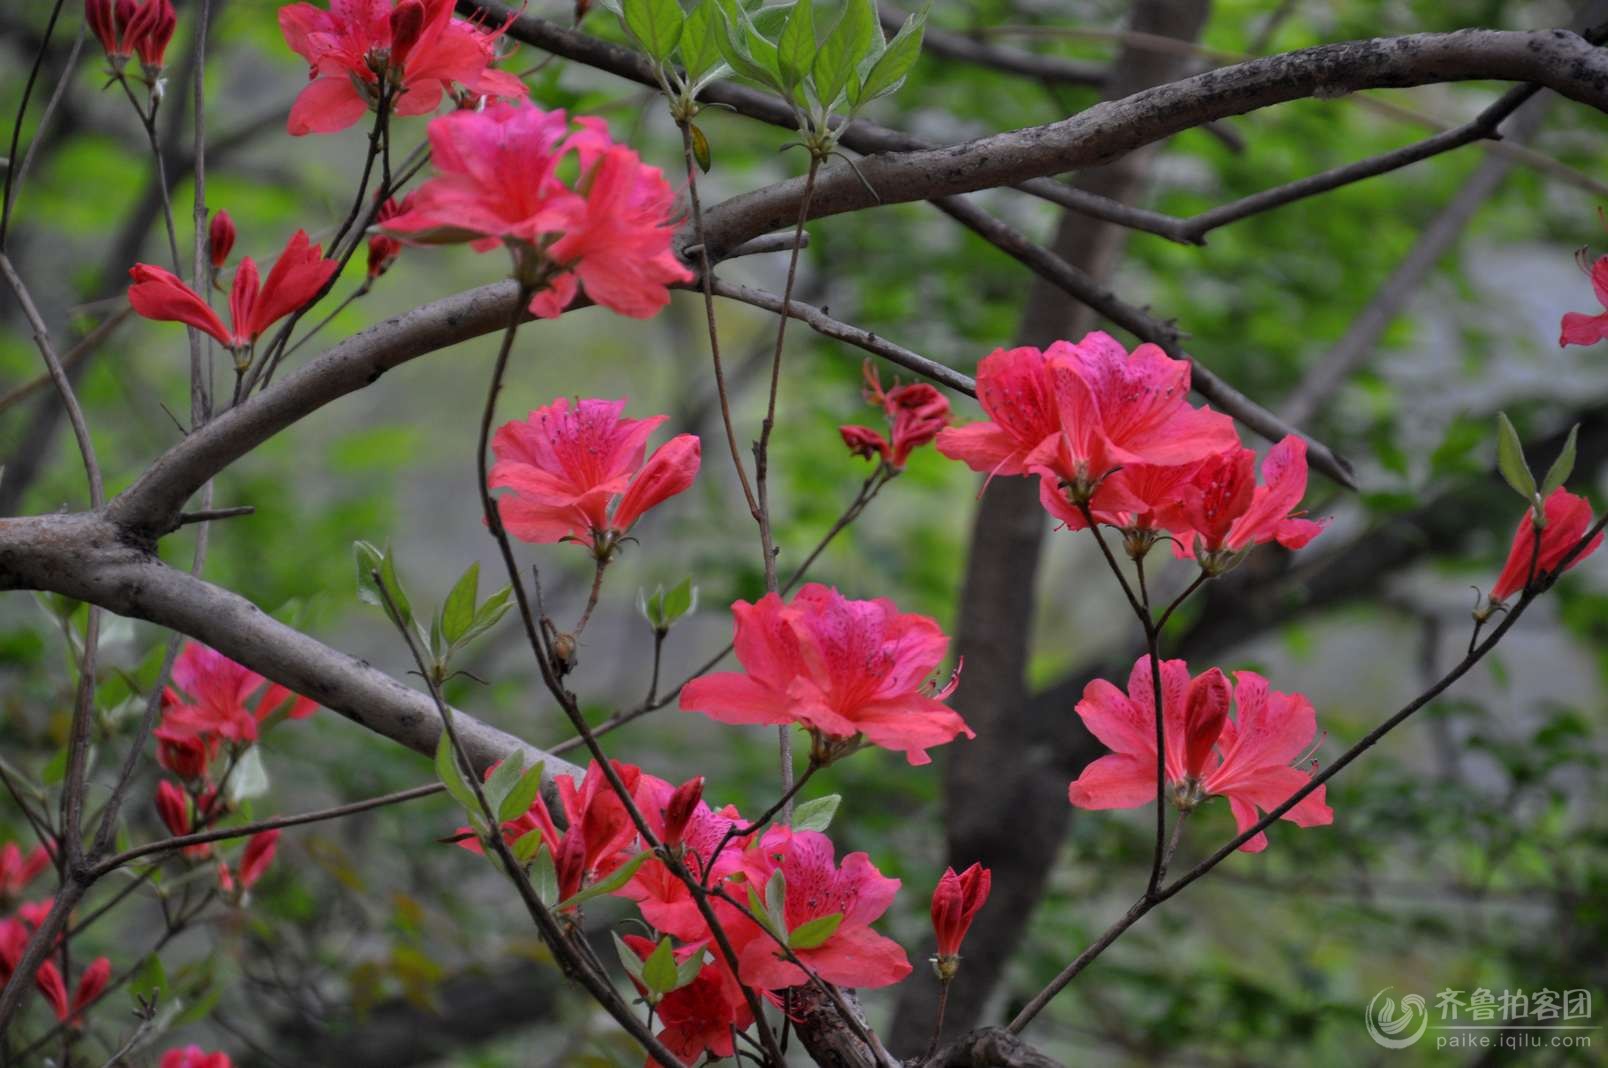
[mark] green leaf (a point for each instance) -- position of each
(55, 771)
(618, 878)
(1510, 459)
(776, 901)
(742, 46)
(446, 763)
(458, 613)
(393, 587)
(659, 970)
(544, 877)
(1562, 467)
(689, 969)
(487, 616)
(795, 49)
(891, 68)
(527, 845)
(700, 40)
(816, 814)
(700, 147)
(656, 24)
(813, 933)
(680, 600)
(846, 45)
(150, 980)
(507, 775)
(369, 560)
(523, 794)
(628, 958)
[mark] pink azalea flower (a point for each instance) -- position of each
(664, 900)
(917, 413)
(700, 1017)
(1136, 500)
(194, 1057)
(297, 275)
(569, 466)
(842, 669)
(18, 869)
(211, 701)
(254, 863)
(498, 184)
(383, 249)
(1581, 329)
(1017, 395)
(415, 44)
(1248, 760)
(1568, 518)
(854, 955)
(1222, 511)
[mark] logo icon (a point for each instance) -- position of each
(1393, 1026)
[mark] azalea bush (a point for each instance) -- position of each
(720, 869)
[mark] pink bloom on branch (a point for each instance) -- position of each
(700, 1017)
(664, 900)
(210, 702)
(840, 668)
(1222, 511)
(568, 464)
(1015, 391)
(916, 412)
(18, 869)
(194, 1057)
(383, 249)
(1568, 518)
(854, 955)
(1581, 329)
(1246, 759)
(254, 863)
(955, 903)
(863, 441)
(497, 183)
(296, 277)
(416, 45)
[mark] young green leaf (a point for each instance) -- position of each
(849, 42)
(369, 560)
(618, 878)
(689, 969)
(486, 616)
(1562, 467)
(458, 612)
(679, 601)
(508, 773)
(700, 44)
(628, 958)
(393, 587)
(656, 24)
(150, 980)
(795, 48)
(816, 814)
(446, 763)
(659, 970)
(813, 933)
(776, 901)
(1510, 459)
(526, 845)
(523, 794)
(544, 877)
(891, 68)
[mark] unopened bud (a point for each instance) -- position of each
(683, 803)
(220, 238)
(407, 23)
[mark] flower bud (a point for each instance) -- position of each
(173, 807)
(220, 238)
(955, 903)
(156, 32)
(683, 803)
(407, 23)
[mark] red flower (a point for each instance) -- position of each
(194, 1057)
(90, 985)
(498, 185)
(664, 900)
(297, 276)
(1568, 517)
(416, 45)
(173, 805)
(679, 812)
(700, 1017)
(955, 903)
(124, 27)
(220, 238)
(1248, 760)
(210, 703)
(1222, 511)
(917, 412)
(568, 464)
(853, 955)
(1581, 329)
(840, 668)
(17, 869)
(254, 863)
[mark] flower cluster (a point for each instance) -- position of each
(847, 671)
(16, 930)
(797, 894)
(255, 304)
(916, 413)
(1255, 759)
(126, 28)
(577, 472)
(498, 182)
(1112, 435)
(413, 50)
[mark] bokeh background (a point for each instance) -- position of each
(1468, 851)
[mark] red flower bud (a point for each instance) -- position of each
(103, 22)
(220, 237)
(955, 903)
(173, 807)
(683, 803)
(407, 23)
(90, 986)
(157, 21)
(259, 854)
(863, 441)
